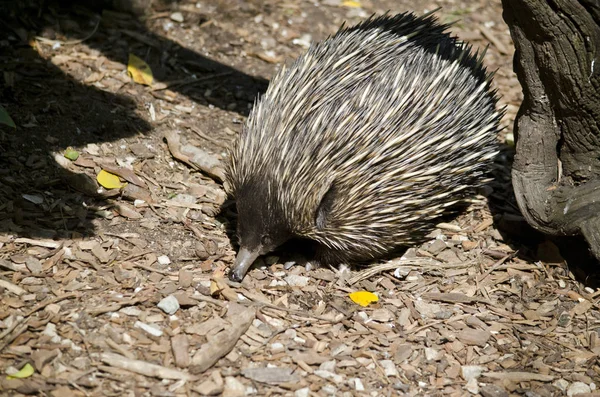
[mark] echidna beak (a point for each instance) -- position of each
(244, 259)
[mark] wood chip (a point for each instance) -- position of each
(142, 367)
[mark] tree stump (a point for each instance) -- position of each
(556, 171)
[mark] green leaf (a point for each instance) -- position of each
(71, 154)
(5, 118)
(25, 372)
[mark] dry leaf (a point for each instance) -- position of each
(363, 298)
(25, 372)
(351, 3)
(139, 70)
(109, 181)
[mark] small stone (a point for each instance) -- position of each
(358, 385)
(578, 388)
(469, 372)
(163, 260)
(294, 280)
(177, 17)
(432, 354)
(169, 305)
(303, 41)
(277, 348)
(304, 392)
(561, 384)
(233, 388)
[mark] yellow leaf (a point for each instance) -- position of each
(351, 3)
(139, 70)
(25, 372)
(363, 298)
(109, 181)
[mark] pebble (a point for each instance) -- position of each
(358, 385)
(277, 348)
(432, 354)
(177, 17)
(294, 280)
(303, 41)
(578, 388)
(304, 392)
(169, 304)
(163, 260)
(561, 384)
(471, 371)
(233, 388)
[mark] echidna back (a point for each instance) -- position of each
(371, 135)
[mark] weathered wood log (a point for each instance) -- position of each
(556, 172)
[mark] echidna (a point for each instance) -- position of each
(363, 142)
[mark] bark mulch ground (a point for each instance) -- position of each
(109, 292)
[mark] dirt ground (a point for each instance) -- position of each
(109, 292)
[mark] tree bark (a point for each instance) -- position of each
(556, 172)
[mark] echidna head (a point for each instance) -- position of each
(261, 228)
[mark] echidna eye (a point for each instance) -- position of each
(265, 241)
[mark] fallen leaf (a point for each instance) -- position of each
(25, 372)
(139, 70)
(109, 181)
(5, 118)
(363, 298)
(71, 154)
(351, 3)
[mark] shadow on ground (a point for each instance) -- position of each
(53, 110)
(531, 245)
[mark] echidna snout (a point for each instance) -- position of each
(364, 143)
(261, 229)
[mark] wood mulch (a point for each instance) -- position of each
(109, 292)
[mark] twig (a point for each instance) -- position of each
(70, 42)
